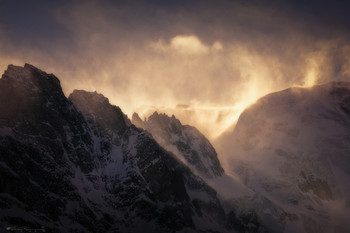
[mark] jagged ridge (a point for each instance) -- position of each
(186, 142)
(67, 168)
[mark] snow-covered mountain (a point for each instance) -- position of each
(184, 141)
(194, 149)
(293, 148)
(79, 165)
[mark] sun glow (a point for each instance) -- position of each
(212, 121)
(311, 73)
(217, 79)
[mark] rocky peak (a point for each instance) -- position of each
(23, 89)
(186, 142)
(30, 78)
(17, 72)
(136, 120)
(165, 122)
(89, 101)
(97, 107)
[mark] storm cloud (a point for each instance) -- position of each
(215, 56)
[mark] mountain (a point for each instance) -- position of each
(194, 149)
(184, 141)
(79, 165)
(293, 148)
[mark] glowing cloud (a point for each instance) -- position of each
(188, 45)
(311, 74)
(218, 61)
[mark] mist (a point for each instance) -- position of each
(216, 58)
(283, 159)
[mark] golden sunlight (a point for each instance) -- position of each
(311, 74)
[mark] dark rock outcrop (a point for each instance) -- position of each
(78, 165)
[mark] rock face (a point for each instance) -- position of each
(185, 142)
(293, 147)
(78, 165)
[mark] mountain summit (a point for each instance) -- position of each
(97, 108)
(24, 88)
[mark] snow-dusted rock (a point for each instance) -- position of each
(184, 141)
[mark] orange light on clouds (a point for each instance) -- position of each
(217, 70)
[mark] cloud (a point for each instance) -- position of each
(186, 45)
(211, 56)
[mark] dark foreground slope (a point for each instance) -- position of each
(78, 165)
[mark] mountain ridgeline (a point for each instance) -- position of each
(79, 165)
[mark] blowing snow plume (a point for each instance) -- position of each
(208, 55)
(292, 146)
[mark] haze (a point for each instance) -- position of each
(210, 58)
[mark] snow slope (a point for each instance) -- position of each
(293, 148)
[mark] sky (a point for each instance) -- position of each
(212, 59)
